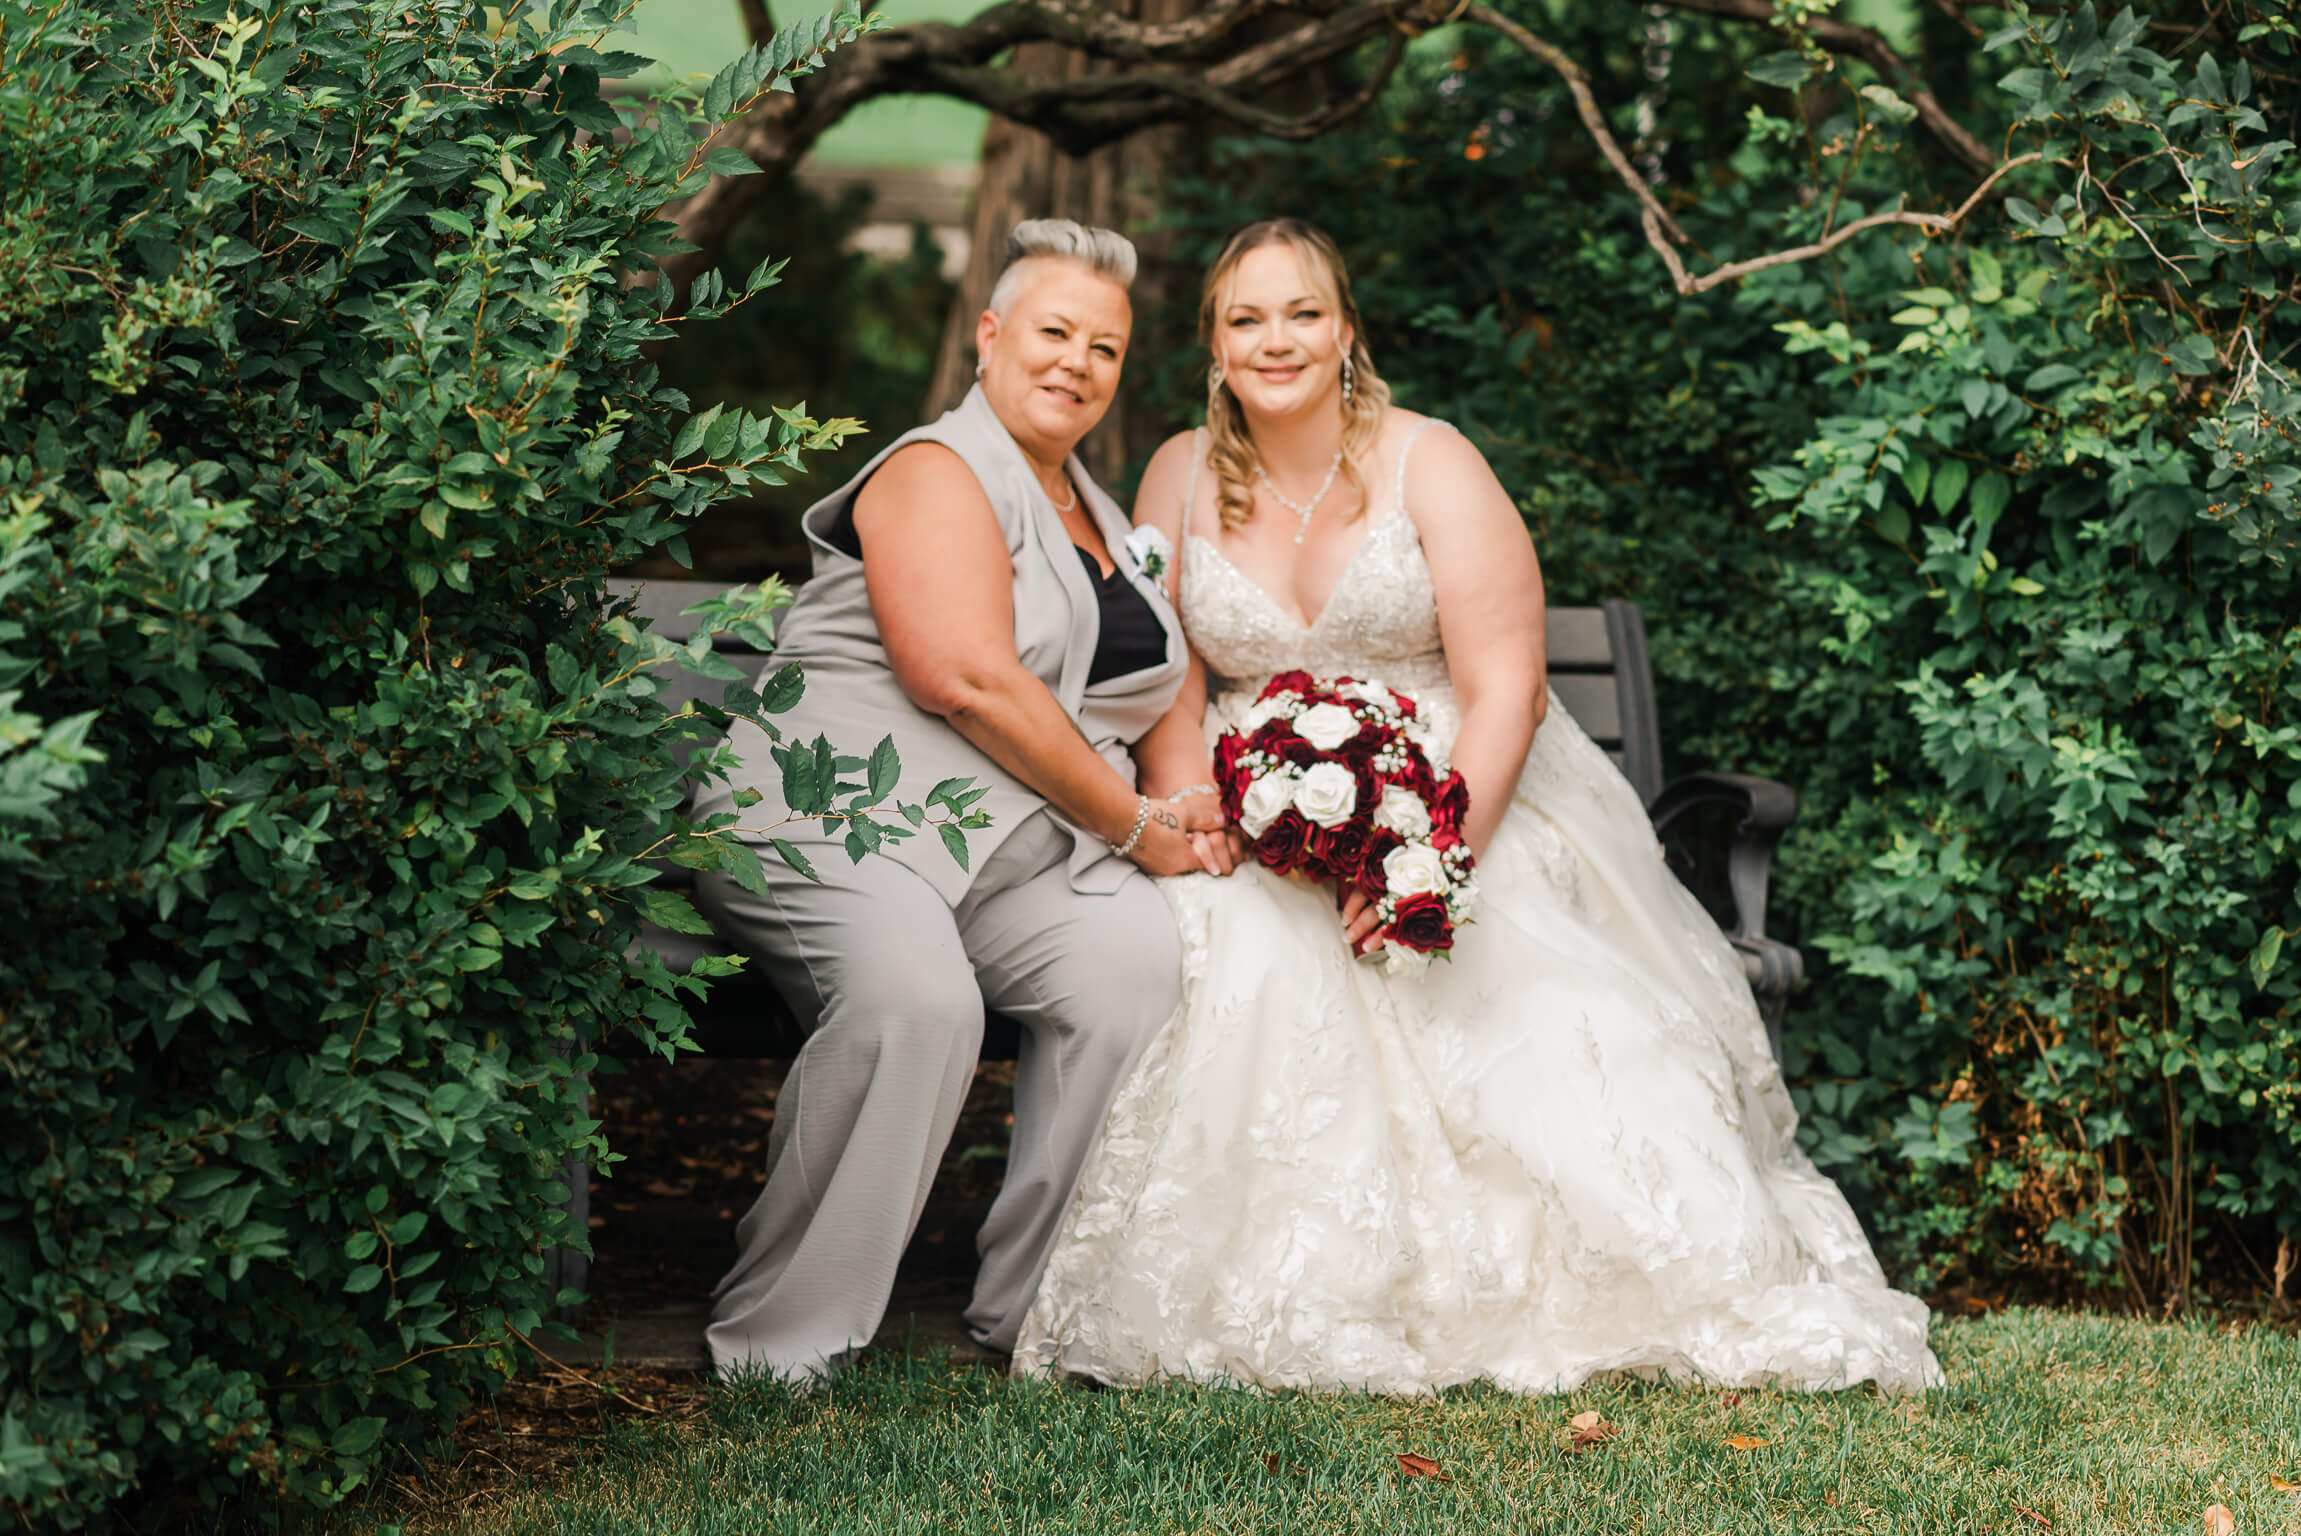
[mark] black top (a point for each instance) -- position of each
(1129, 638)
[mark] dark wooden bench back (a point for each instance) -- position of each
(1598, 670)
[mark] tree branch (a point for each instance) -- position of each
(1177, 82)
(1593, 122)
(1931, 223)
(1662, 233)
(1871, 47)
(758, 21)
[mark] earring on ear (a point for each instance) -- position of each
(1214, 377)
(978, 370)
(1349, 380)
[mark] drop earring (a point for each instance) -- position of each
(1349, 381)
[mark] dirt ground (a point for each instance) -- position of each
(694, 1136)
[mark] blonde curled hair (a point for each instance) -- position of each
(1230, 445)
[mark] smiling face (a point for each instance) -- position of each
(1051, 362)
(1278, 331)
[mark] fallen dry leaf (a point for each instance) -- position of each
(2027, 1513)
(1420, 1466)
(1746, 1442)
(2219, 1521)
(1589, 1429)
(2284, 1484)
(1272, 1463)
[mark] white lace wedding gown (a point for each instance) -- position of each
(1565, 1152)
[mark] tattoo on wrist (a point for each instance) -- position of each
(1166, 818)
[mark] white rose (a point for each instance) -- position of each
(1403, 812)
(1414, 870)
(1398, 960)
(1263, 711)
(1368, 692)
(1326, 726)
(1264, 799)
(1328, 794)
(1151, 552)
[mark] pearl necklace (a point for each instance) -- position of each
(1301, 510)
(1064, 506)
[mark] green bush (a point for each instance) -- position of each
(2055, 513)
(324, 759)
(1983, 545)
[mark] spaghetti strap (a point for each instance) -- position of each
(1398, 491)
(1190, 493)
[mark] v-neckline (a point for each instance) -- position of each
(1349, 567)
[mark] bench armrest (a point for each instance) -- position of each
(1767, 810)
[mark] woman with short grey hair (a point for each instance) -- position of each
(973, 597)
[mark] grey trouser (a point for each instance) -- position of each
(891, 984)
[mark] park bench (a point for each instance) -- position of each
(1719, 829)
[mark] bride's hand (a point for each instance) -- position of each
(1219, 847)
(1360, 926)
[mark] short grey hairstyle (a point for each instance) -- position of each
(1104, 252)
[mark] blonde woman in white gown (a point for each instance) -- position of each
(1565, 1152)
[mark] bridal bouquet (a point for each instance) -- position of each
(1335, 779)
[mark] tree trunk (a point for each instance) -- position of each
(1024, 176)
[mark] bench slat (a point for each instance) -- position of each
(1593, 702)
(1577, 640)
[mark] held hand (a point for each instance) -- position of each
(1361, 928)
(1167, 847)
(1220, 851)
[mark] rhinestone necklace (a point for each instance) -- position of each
(1301, 510)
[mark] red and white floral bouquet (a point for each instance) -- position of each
(1336, 779)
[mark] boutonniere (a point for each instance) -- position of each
(1150, 551)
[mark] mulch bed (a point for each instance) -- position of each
(694, 1138)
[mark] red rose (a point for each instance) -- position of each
(1422, 924)
(1283, 843)
(1338, 850)
(1288, 682)
(1379, 842)
(1451, 804)
(1359, 750)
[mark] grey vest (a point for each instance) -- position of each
(852, 695)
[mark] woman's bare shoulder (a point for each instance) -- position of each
(1158, 499)
(921, 473)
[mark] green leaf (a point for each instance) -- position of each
(1990, 494)
(363, 1279)
(794, 858)
(2265, 953)
(1788, 69)
(1949, 482)
(782, 690)
(955, 841)
(886, 768)
(672, 910)
(726, 160)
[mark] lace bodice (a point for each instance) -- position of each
(1381, 621)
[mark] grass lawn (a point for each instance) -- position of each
(2051, 1422)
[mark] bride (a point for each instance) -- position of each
(1566, 1151)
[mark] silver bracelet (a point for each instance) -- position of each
(1142, 820)
(1193, 789)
